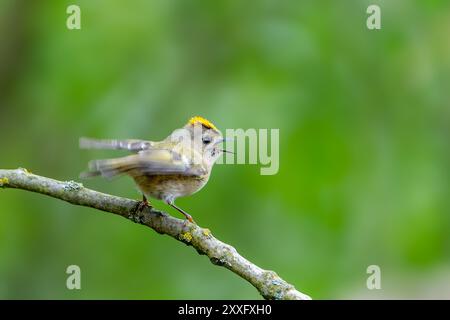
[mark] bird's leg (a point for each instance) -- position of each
(187, 215)
(142, 204)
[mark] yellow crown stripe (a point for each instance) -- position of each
(203, 122)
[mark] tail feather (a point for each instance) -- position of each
(107, 168)
(89, 174)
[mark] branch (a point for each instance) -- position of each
(268, 283)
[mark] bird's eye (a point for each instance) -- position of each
(206, 140)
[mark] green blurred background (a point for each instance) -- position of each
(364, 160)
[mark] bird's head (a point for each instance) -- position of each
(207, 139)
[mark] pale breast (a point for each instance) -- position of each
(176, 186)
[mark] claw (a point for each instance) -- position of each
(142, 204)
(189, 218)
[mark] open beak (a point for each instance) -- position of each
(226, 139)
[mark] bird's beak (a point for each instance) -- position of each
(223, 140)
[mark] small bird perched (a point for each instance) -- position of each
(177, 166)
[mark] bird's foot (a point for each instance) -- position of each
(189, 218)
(143, 204)
(187, 215)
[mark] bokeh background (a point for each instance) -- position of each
(364, 157)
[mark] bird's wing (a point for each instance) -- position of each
(148, 162)
(133, 145)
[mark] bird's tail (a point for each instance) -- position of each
(108, 168)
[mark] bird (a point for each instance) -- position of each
(178, 166)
